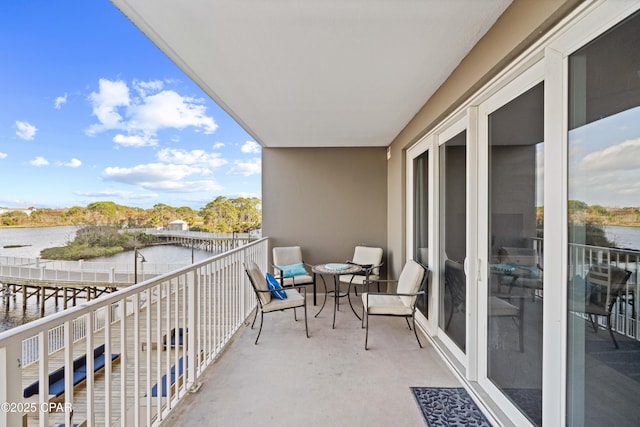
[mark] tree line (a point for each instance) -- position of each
(222, 215)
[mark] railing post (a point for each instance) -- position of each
(192, 326)
(10, 394)
(43, 375)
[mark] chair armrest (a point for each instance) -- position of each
(381, 281)
(396, 294)
(303, 287)
(367, 268)
(391, 294)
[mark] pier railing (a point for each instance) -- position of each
(161, 334)
(82, 272)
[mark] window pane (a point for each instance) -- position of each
(603, 366)
(515, 299)
(453, 232)
(421, 219)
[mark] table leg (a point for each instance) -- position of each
(351, 304)
(325, 295)
(336, 296)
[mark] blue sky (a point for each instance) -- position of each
(91, 110)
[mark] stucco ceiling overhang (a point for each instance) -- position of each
(317, 73)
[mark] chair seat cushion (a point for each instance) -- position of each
(298, 280)
(500, 307)
(276, 289)
(386, 304)
(294, 299)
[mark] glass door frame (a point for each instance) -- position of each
(425, 145)
(466, 120)
(448, 131)
(524, 81)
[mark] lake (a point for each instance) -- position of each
(624, 237)
(37, 239)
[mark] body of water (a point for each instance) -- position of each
(28, 242)
(624, 237)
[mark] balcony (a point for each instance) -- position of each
(330, 376)
(192, 326)
(328, 379)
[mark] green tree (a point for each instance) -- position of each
(103, 212)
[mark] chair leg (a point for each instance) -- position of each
(611, 332)
(446, 325)
(260, 330)
(593, 323)
(415, 330)
(408, 324)
(255, 317)
(294, 314)
(366, 333)
(306, 325)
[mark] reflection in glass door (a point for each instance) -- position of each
(453, 234)
(603, 342)
(515, 299)
(421, 221)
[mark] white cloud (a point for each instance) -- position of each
(193, 157)
(250, 147)
(60, 101)
(25, 130)
(167, 109)
(623, 156)
(135, 140)
(151, 109)
(73, 163)
(3, 155)
(39, 161)
(152, 172)
(111, 96)
(248, 168)
(184, 186)
(115, 193)
(163, 177)
(150, 86)
(218, 145)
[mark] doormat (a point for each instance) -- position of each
(448, 407)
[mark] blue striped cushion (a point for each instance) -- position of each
(276, 289)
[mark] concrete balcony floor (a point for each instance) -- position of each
(328, 379)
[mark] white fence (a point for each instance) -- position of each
(38, 269)
(173, 327)
(625, 311)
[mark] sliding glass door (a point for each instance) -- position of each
(421, 221)
(453, 234)
(603, 357)
(511, 245)
(515, 231)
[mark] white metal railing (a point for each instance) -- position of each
(200, 306)
(625, 315)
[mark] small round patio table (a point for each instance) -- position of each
(336, 270)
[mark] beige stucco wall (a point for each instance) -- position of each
(326, 200)
(520, 25)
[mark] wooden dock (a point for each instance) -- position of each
(138, 369)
